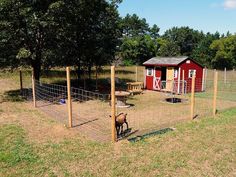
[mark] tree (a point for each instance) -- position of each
(139, 40)
(136, 50)
(186, 38)
(167, 48)
(203, 53)
(133, 26)
(25, 33)
(58, 33)
(90, 32)
(225, 49)
(154, 31)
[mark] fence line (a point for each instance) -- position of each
(147, 111)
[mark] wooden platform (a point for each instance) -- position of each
(135, 87)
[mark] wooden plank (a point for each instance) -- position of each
(169, 79)
(21, 83)
(113, 105)
(179, 80)
(192, 97)
(225, 76)
(215, 92)
(69, 103)
(144, 77)
(203, 80)
(183, 82)
(33, 89)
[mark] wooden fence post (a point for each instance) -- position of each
(113, 105)
(136, 74)
(192, 97)
(206, 70)
(225, 76)
(215, 91)
(69, 103)
(179, 80)
(183, 82)
(144, 77)
(203, 79)
(33, 89)
(21, 83)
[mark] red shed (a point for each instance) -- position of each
(166, 74)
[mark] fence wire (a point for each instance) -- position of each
(147, 110)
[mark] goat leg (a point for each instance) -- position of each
(122, 131)
(117, 130)
(127, 125)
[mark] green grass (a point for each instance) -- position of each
(14, 151)
(204, 147)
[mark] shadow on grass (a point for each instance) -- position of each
(12, 96)
(84, 123)
(151, 134)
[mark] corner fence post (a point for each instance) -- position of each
(69, 97)
(113, 106)
(21, 83)
(192, 97)
(215, 92)
(33, 89)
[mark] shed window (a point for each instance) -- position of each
(149, 72)
(188, 61)
(191, 72)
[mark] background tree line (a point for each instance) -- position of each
(88, 33)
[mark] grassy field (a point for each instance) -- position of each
(33, 144)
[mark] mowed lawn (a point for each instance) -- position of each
(32, 144)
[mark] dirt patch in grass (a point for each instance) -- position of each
(39, 127)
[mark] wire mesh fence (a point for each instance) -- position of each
(146, 110)
(226, 94)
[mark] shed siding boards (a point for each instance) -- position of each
(199, 73)
(166, 68)
(149, 79)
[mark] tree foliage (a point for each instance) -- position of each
(225, 49)
(203, 53)
(167, 48)
(51, 33)
(185, 37)
(87, 33)
(25, 33)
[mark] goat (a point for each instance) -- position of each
(120, 119)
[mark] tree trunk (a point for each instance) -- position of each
(89, 73)
(78, 71)
(36, 65)
(96, 78)
(84, 76)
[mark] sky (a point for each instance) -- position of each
(205, 15)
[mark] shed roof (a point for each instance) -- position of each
(173, 61)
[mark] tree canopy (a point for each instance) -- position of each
(87, 33)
